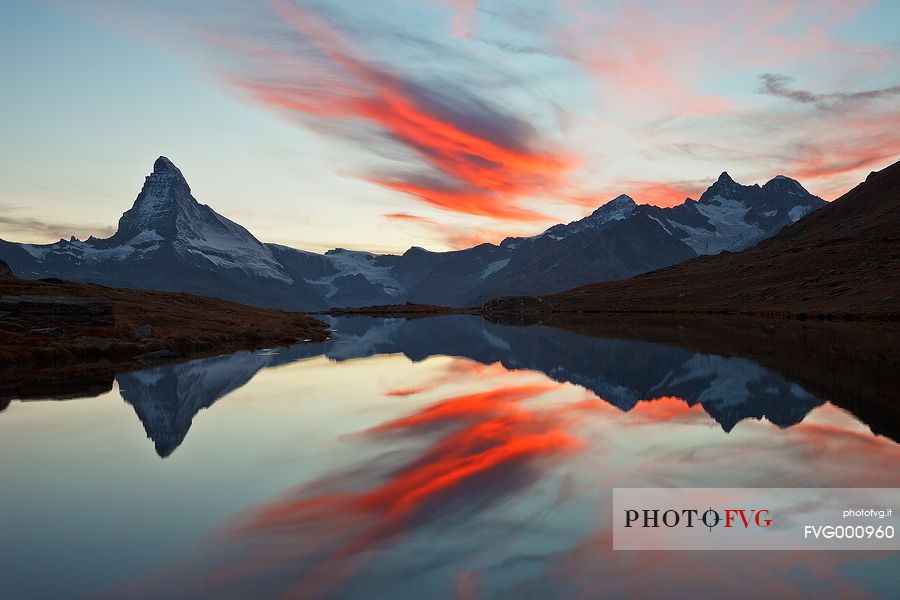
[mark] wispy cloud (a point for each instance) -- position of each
(454, 236)
(454, 148)
(406, 217)
(464, 24)
(775, 84)
(32, 228)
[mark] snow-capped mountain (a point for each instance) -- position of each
(617, 209)
(165, 217)
(731, 216)
(169, 241)
(165, 213)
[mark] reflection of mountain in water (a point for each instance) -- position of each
(167, 398)
(621, 372)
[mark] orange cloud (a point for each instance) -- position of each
(406, 217)
(410, 391)
(666, 408)
(470, 156)
(663, 194)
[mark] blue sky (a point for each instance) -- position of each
(438, 123)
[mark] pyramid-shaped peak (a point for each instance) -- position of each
(165, 173)
(163, 165)
(724, 187)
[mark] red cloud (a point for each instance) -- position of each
(479, 160)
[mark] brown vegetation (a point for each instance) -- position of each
(56, 321)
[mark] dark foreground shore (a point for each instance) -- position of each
(53, 322)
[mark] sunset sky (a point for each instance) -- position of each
(441, 123)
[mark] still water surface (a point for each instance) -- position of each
(435, 458)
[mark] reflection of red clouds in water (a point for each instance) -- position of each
(478, 175)
(468, 585)
(495, 430)
(867, 460)
(487, 431)
(474, 449)
(666, 408)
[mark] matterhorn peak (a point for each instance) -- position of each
(164, 165)
(164, 196)
(165, 170)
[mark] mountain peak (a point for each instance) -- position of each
(165, 170)
(163, 164)
(619, 203)
(164, 196)
(616, 209)
(787, 185)
(621, 200)
(724, 187)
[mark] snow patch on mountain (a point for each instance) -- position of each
(661, 224)
(796, 213)
(730, 230)
(86, 252)
(349, 262)
(494, 267)
(229, 246)
(37, 251)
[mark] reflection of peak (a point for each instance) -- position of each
(733, 389)
(167, 398)
(622, 372)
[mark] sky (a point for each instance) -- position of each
(438, 123)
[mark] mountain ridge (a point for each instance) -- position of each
(843, 259)
(171, 242)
